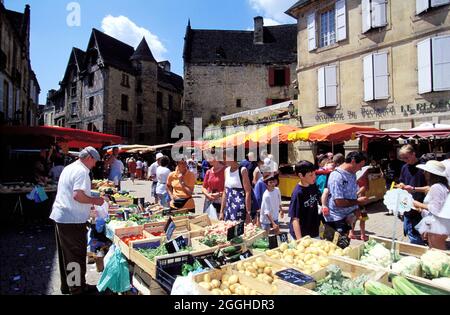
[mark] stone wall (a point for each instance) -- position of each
(211, 91)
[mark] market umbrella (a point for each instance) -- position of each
(228, 141)
(331, 132)
(198, 144)
(266, 134)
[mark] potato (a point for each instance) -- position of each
(216, 292)
(233, 287)
(268, 271)
(324, 262)
(300, 248)
(284, 247)
(255, 265)
(260, 270)
(289, 259)
(240, 265)
(215, 284)
(225, 277)
(253, 292)
(205, 285)
(254, 275)
(300, 264)
(224, 286)
(252, 269)
(247, 264)
(261, 264)
(207, 278)
(274, 289)
(248, 273)
(233, 279)
(226, 292)
(308, 257)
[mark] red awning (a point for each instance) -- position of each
(425, 134)
(73, 138)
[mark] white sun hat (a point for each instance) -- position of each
(433, 167)
(159, 156)
(363, 171)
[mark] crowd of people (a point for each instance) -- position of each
(331, 192)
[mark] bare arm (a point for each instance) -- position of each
(324, 197)
(297, 230)
(222, 208)
(344, 203)
(81, 197)
(248, 191)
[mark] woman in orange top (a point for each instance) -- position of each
(180, 186)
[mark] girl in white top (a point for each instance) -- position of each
(237, 199)
(271, 205)
(435, 210)
(162, 173)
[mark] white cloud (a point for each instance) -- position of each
(125, 30)
(273, 10)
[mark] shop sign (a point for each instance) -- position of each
(441, 106)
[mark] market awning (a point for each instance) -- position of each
(228, 141)
(152, 148)
(255, 114)
(271, 132)
(199, 144)
(425, 134)
(331, 132)
(72, 138)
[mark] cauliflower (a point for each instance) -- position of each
(435, 264)
(378, 255)
(408, 266)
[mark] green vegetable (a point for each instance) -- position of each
(404, 287)
(151, 254)
(237, 240)
(377, 288)
(231, 250)
(261, 244)
(336, 284)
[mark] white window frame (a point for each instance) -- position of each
(424, 5)
(327, 38)
(376, 76)
(327, 86)
(433, 65)
(371, 18)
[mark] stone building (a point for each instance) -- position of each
(382, 63)
(226, 71)
(19, 88)
(115, 89)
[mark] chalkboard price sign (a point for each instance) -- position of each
(273, 241)
(283, 237)
(169, 228)
(246, 255)
(295, 277)
(236, 231)
(176, 245)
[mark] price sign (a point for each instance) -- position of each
(169, 228)
(176, 245)
(166, 212)
(273, 241)
(236, 231)
(246, 255)
(283, 237)
(295, 277)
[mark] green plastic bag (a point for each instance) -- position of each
(116, 275)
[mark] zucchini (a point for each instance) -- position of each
(377, 288)
(230, 250)
(404, 287)
(237, 240)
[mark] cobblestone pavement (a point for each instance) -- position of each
(28, 259)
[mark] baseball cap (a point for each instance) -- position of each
(159, 156)
(92, 152)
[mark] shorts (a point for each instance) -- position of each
(340, 226)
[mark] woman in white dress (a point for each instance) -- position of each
(435, 210)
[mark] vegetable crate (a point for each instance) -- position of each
(148, 265)
(121, 233)
(414, 284)
(203, 220)
(309, 255)
(181, 226)
(168, 269)
(262, 270)
(350, 269)
(402, 249)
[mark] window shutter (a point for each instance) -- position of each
(331, 86)
(368, 78)
(381, 75)
(424, 66)
(312, 44)
(268, 101)
(441, 63)
(287, 76)
(379, 8)
(271, 76)
(341, 20)
(437, 3)
(421, 6)
(366, 16)
(321, 87)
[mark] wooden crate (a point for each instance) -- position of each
(202, 220)
(350, 269)
(254, 238)
(386, 280)
(130, 231)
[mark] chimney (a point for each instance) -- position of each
(165, 65)
(259, 30)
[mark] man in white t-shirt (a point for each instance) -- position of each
(192, 165)
(71, 211)
(152, 174)
(446, 162)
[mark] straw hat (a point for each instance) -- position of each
(433, 167)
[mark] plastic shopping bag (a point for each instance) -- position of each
(116, 275)
(212, 212)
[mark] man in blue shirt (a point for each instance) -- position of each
(343, 198)
(412, 179)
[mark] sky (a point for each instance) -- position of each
(59, 25)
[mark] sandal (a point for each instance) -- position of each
(364, 238)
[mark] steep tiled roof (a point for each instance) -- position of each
(143, 52)
(223, 46)
(113, 51)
